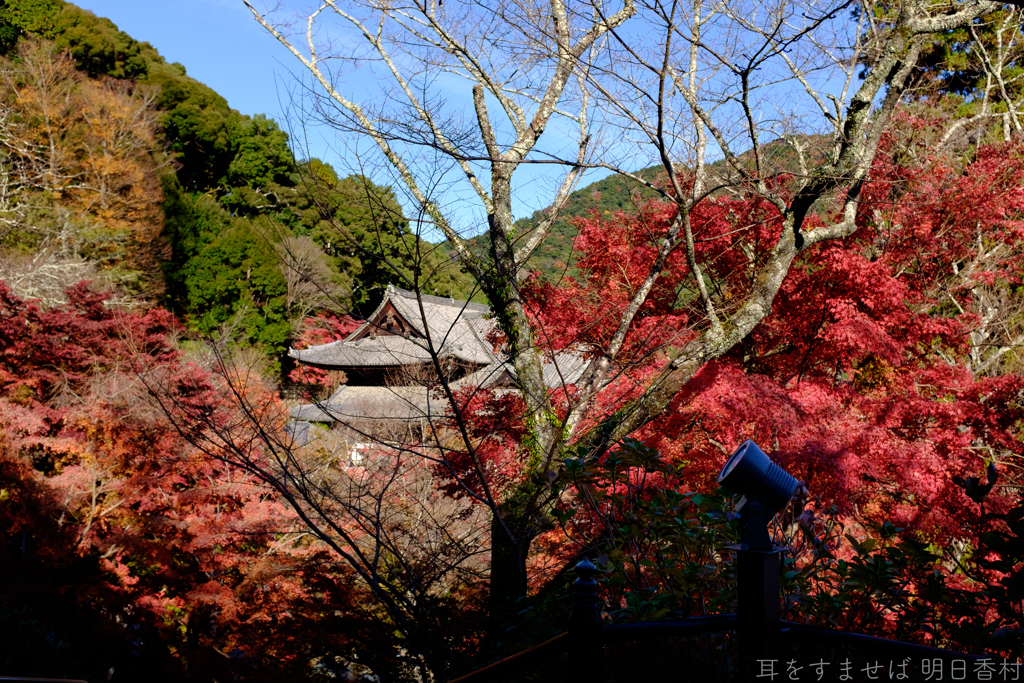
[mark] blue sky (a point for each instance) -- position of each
(221, 45)
(216, 40)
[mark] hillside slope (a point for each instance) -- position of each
(126, 171)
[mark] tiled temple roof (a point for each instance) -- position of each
(351, 403)
(455, 328)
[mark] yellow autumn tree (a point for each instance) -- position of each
(81, 163)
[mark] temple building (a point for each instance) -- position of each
(388, 361)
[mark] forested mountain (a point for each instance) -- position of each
(122, 169)
(608, 195)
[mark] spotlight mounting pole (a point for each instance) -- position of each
(755, 527)
(757, 601)
(767, 489)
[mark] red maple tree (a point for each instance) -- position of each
(201, 556)
(874, 376)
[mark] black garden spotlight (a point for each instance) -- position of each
(765, 487)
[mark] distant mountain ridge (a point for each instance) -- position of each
(620, 193)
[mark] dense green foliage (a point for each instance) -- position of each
(242, 218)
(953, 62)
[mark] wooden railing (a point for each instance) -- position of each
(764, 644)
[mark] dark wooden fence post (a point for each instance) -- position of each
(584, 627)
(757, 605)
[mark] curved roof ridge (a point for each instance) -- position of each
(450, 325)
(439, 300)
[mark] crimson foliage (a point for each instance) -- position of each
(878, 377)
(189, 564)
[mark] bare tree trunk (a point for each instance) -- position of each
(509, 552)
